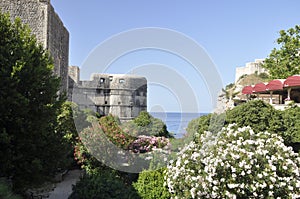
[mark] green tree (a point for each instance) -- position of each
(146, 124)
(30, 146)
(285, 60)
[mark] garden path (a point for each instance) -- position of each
(64, 189)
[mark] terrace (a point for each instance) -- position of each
(278, 92)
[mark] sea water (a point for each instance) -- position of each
(176, 122)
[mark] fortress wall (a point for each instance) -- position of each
(124, 92)
(58, 45)
(250, 68)
(122, 95)
(49, 30)
(32, 12)
(74, 73)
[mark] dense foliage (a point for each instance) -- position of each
(146, 124)
(210, 122)
(235, 163)
(6, 191)
(285, 60)
(256, 114)
(150, 185)
(291, 121)
(103, 142)
(30, 145)
(102, 184)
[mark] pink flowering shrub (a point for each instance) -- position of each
(235, 163)
(105, 142)
(145, 144)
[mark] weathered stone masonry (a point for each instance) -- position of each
(122, 95)
(47, 27)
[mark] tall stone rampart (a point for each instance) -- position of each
(49, 30)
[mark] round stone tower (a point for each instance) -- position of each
(128, 95)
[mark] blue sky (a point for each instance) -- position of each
(232, 32)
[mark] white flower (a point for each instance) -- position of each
(233, 169)
(193, 192)
(273, 168)
(232, 186)
(259, 175)
(270, 193)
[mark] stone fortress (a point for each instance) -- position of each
(250, 68)
(121, 95)
(49, 30)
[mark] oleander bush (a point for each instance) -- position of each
(235, 163)
(105, 143)
(150, 185)
(144, 144)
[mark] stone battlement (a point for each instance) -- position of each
(122, 95)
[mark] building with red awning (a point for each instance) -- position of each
(277, 91)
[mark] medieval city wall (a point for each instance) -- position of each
(49, 30)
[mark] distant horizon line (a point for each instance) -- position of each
(177, 112)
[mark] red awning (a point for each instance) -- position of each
(247, 90)
(292, 81)
(276, 84)
(259, 88)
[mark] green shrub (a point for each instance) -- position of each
(291, 120)
(150, 185)
(6, 192)
(211, 122)
(257, 114)
(102, 184)
(261, 116)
